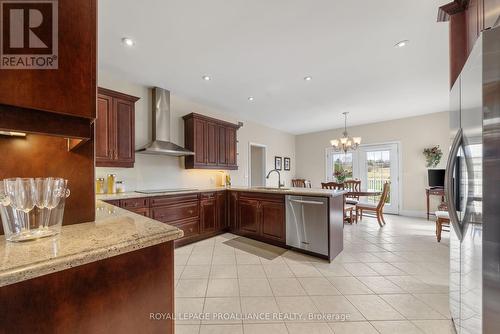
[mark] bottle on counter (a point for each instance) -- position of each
(228, 180)
(111, 183)
(99, 185)
(120, 187)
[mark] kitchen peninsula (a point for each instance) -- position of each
(69, 282)
(258, 213)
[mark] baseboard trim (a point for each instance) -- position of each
(413, 213)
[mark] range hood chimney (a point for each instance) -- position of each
(161, 144)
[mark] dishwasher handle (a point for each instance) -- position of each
(306, 202)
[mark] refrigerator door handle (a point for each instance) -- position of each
(448, 184)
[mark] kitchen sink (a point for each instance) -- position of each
(272, 188)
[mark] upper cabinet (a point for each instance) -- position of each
(114, 129)
(213, 141)
(468, 18)
(65, 51)
(491, 13)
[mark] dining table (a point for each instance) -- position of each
(363, 193)
(356, 194)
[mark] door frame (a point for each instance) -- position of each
(356, 168)
(249, 171)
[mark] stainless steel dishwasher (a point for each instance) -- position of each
(307, 223)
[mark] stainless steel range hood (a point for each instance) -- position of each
(161, 144)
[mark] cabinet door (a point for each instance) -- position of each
(249, 216)
(491, 13)
(104, 135)
(221, 210)
(208, 211)
(231, 146)
(200, 141)
(472, 23)
(222, 156)
(212, 144)
(71, 88)
(273, 220)
(125, 139)
(233, 210)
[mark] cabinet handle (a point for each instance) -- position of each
(190, 212)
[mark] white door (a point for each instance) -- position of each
(376, 164)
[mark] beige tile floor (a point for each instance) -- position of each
(387, 280)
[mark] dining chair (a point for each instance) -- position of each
(442, 218)
(378, 208)
(332, 185)
(352, 185)
(301, 183)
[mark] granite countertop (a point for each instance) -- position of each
(270, 190)
(115, 231)
(293, 191)
(134, 194)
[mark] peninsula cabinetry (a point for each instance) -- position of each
(262, 216)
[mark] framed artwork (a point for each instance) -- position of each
(277, 163)
(286, 163)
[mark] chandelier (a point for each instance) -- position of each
(346, 143)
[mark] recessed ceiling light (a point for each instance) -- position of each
(128, 41)
(206, 78)
(251, 98)
(308, 78)
(401, 44)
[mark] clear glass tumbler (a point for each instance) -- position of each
(32, 208)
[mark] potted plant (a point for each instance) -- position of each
(433, 156)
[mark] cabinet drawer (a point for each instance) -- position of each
(168, 200)
(135, 203)
(190, 228)
(175, 212)
(115, 202)
(205, 196)
(140, 211)
(263, 196)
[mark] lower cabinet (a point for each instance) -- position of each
(208, 215)
(255, 215)
(221, 199)
(262, 216)
(249, 217)
(273, 220)
(232, 216)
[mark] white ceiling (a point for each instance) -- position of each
(264, 48)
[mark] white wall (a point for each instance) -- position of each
(414, 134)
(166, 172)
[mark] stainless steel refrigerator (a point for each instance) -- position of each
(473, 190)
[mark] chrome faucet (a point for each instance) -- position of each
(279, 177)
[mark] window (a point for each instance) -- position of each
(339, 161)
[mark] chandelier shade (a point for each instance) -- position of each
(345, 143)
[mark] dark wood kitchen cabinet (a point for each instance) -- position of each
(115, 129)
(491, 9)
(249, 217)
(232, 210)
(273, 220)
(213, 141)
(199, 215)
(221, 202)
(208, 213)
(262, 216)
(71, 87)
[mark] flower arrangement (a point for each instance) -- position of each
(433, 156)
(341, 175)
